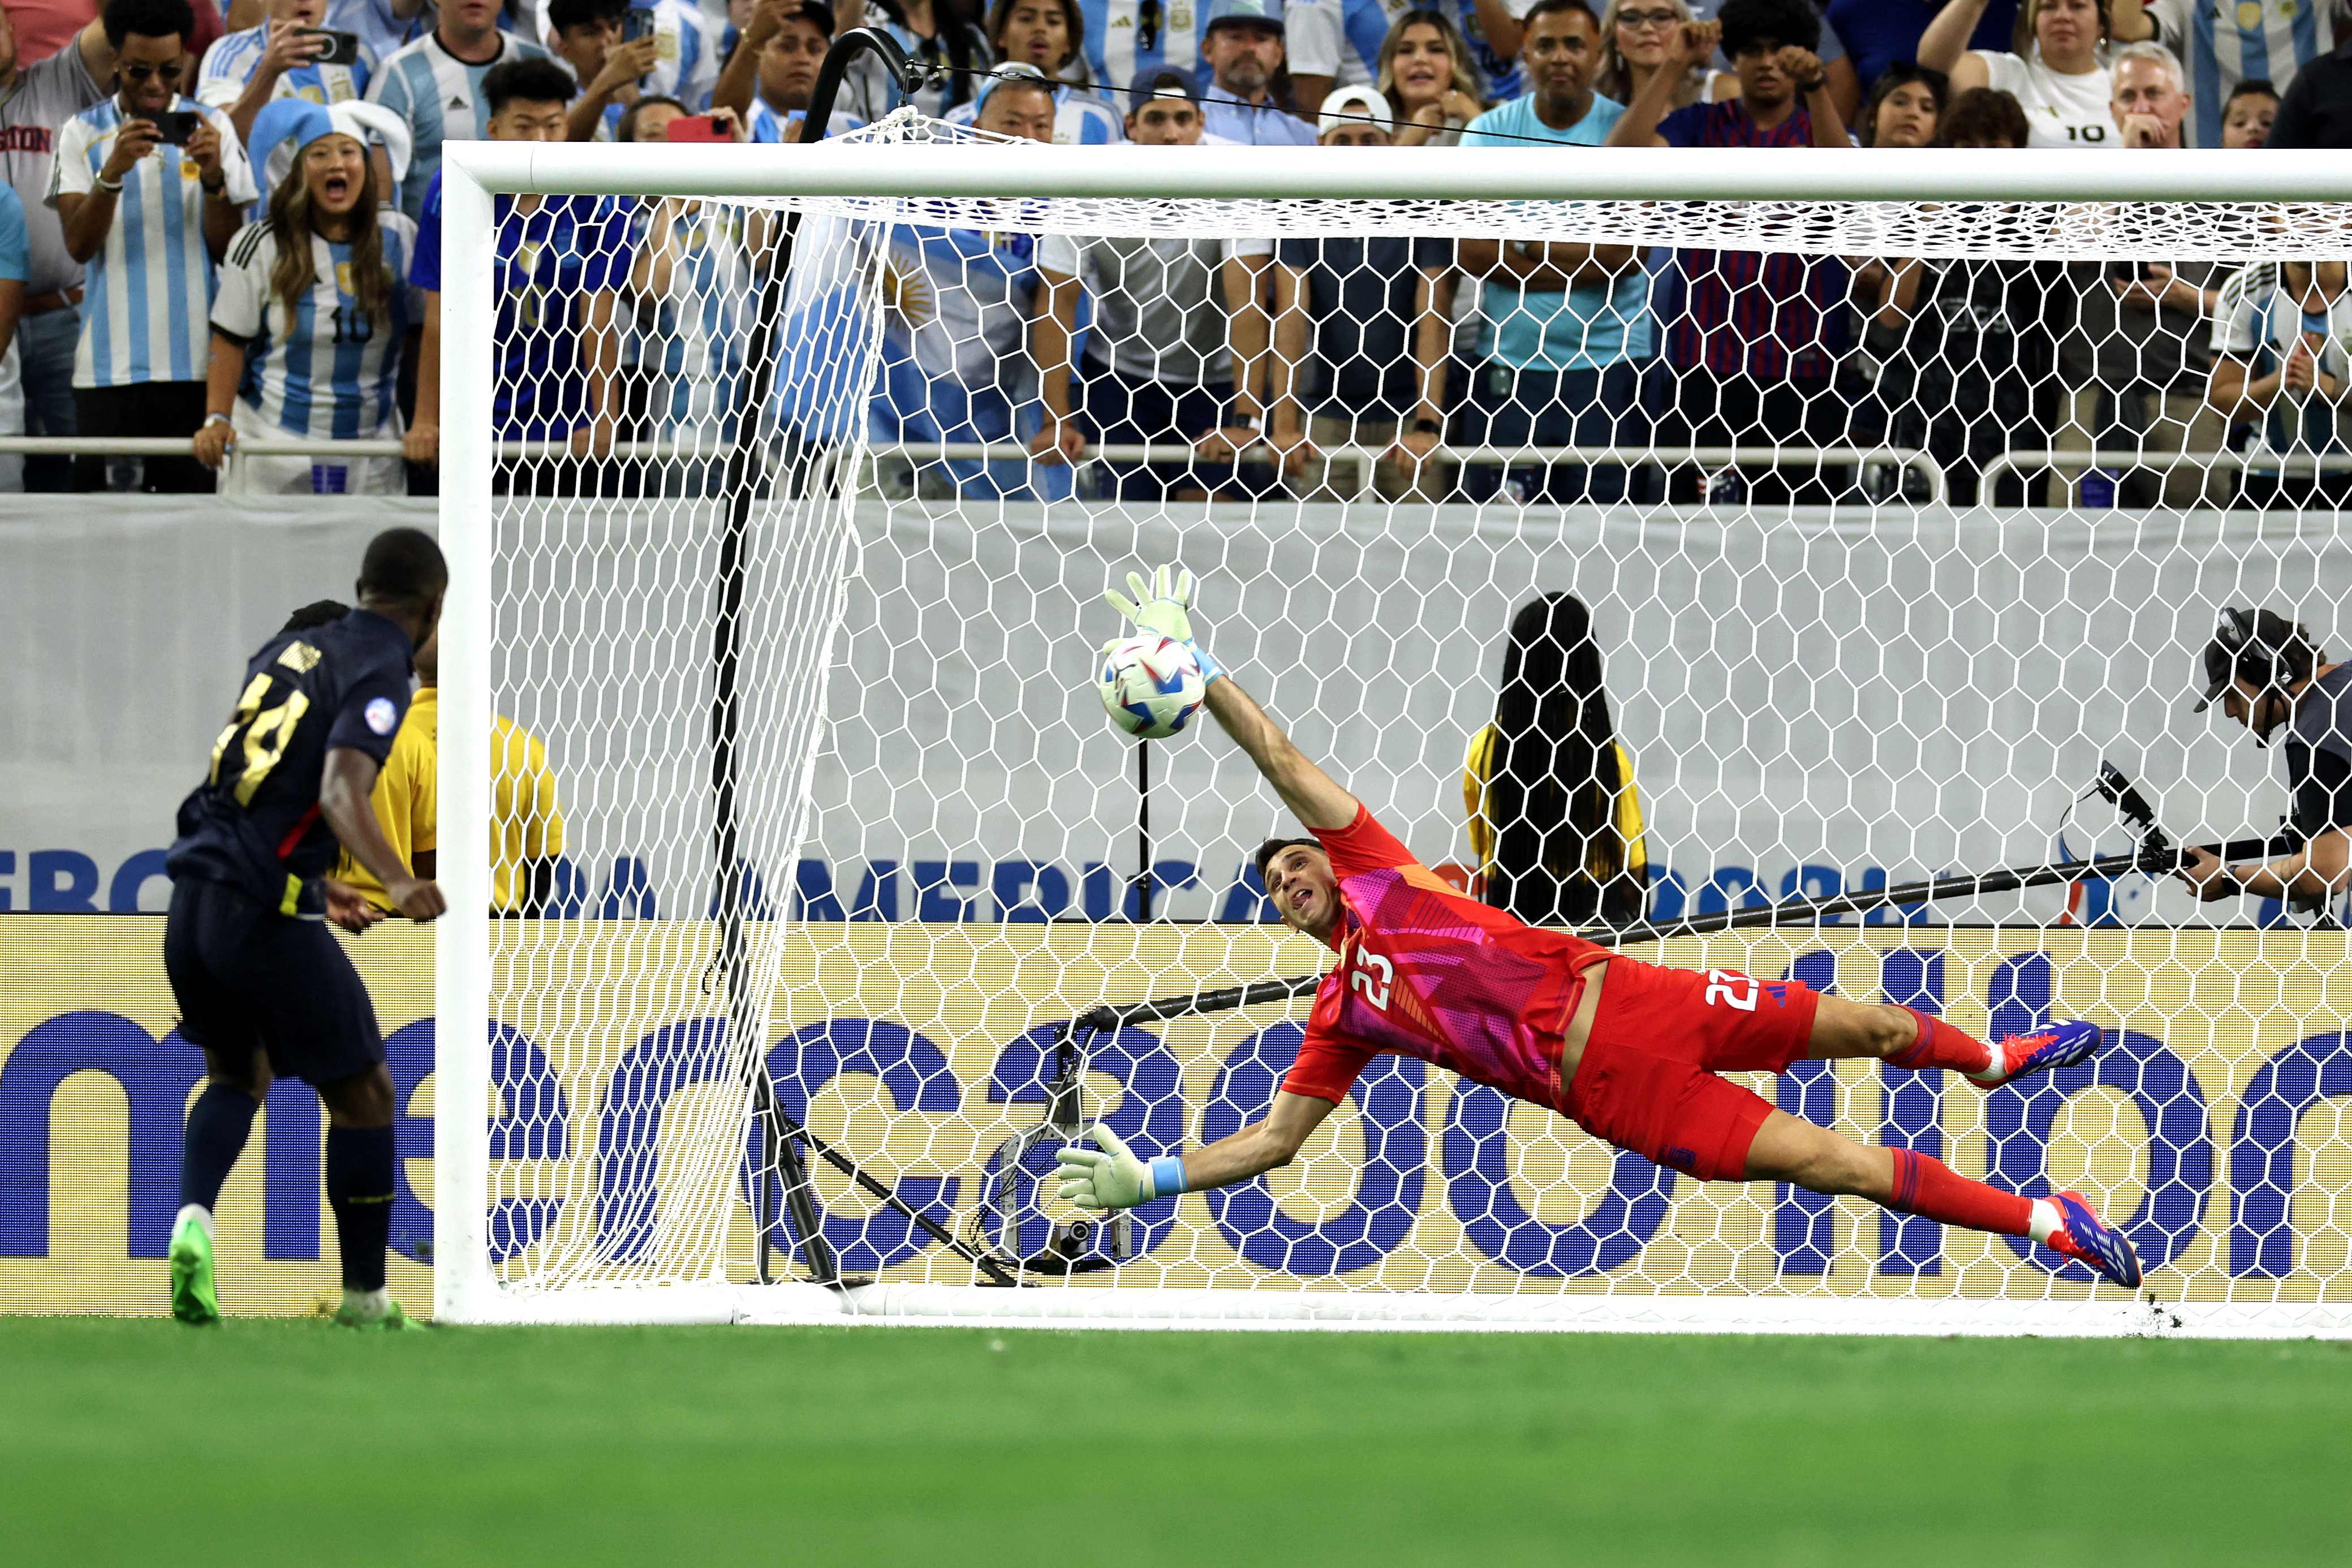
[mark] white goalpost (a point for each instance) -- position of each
(858, 904)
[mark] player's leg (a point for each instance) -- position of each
(322, 1026)
(1644, 1083)
(1907, 1038)
(205, 922)
(1786, 1149)
(360, 1159)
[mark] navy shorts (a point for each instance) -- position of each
(249, 978)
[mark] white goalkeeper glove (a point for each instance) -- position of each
(1109, 1177)
(1164, 605)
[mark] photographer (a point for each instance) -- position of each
(2268, 674)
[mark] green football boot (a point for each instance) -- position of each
(392, 1321)
(194, 1300)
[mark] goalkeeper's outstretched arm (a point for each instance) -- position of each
(1165, 605)
(1304, 788)
(1109, 1177)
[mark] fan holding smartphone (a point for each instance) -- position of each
(293, 54)
(622, 52)
(150, 218)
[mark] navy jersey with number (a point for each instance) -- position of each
(255, 822)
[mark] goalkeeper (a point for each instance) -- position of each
(1629, 1051)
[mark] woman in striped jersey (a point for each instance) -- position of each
(312, 310)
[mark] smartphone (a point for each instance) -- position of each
(179, 125)
(343, 48)
(638, 24)
(696, 128)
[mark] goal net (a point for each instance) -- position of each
(1828, 520)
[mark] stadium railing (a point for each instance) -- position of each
(1361, 459)
(2078, 465)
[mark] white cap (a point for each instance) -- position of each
(1353, 106)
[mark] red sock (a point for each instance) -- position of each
(1926, 1185)
(1941, 1045)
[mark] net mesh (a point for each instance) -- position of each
(806, 781)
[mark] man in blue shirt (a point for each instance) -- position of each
(1243, 48)
(561, 263)
(1566, 325)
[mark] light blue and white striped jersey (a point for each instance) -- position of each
(1126, 37)
(689, 56)
(381, 34)
(692, 341)
(2224, 42)
(688, 71)
(1080, 119)
(1338, 38)
(328, 370)
(230, 64)
(149, 290)
(767, 125)
(2258, 320)
(867, 89)
(1500, 76)
(440, 96)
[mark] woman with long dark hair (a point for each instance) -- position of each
(314, 307)
(1554, 818)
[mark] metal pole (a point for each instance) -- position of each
(780, 1135)
(1143, 831)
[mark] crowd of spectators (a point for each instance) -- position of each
(226, 227)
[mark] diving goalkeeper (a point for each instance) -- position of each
(1629, 1051)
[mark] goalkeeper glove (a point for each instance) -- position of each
(1109, 1177)
(1165, 605)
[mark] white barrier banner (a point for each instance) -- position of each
(1811, 703)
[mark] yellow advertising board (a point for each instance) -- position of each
(2211, 1125)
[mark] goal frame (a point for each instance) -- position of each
(466, 1288)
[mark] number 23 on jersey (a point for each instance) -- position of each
(1372, 976)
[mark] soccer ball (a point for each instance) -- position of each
(1150, 685)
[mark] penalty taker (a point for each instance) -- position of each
(1629, 1051)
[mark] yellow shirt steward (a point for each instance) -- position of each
(1478, 773)
(526, 823)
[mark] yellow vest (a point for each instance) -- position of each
(1478, 773)
(525, 824)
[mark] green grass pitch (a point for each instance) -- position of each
(142, 1442)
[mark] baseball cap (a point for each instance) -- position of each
(1268, 12)
(1163, 81)
(1353, 106)
(2269, 635)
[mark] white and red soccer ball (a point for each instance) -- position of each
(1150, 685)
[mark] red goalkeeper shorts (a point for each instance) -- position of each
(1647, 1079)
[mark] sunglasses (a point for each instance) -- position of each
(168, 72)
(1639, 19)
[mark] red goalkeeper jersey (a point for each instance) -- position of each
(1426, 971)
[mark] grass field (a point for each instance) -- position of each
(270, 1442)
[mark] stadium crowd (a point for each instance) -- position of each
(226, 226)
